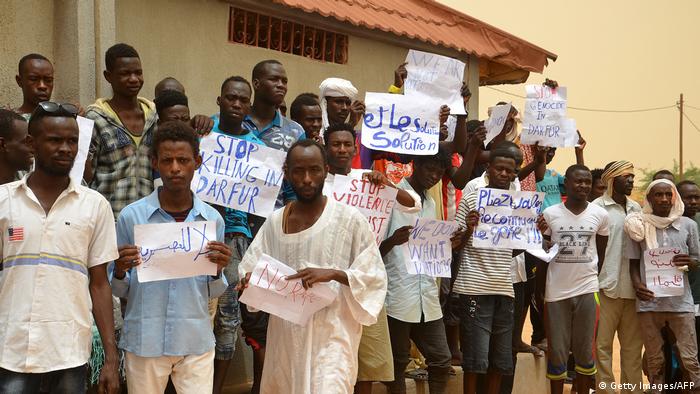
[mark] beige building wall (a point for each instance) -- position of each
(26, 26)
(188, 40)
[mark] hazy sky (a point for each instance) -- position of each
(612, 55)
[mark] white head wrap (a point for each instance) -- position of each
(642, 225)
(334, 87)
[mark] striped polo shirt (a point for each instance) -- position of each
(482, 271)
(45, 304)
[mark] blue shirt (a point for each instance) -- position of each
(166, 317)
(237, 221)
(280, 134)
(552, 185)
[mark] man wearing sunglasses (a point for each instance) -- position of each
(57, 238)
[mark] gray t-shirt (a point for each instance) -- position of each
(681, 234)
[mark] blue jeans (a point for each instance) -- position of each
(227, 319)
(64, 381)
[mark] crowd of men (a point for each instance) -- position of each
(69, 283)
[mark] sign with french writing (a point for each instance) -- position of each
(435, 77)
(508, 219)
(430, 248)
(494, 124)
(401, 124)
(239, 174)
(374, 201)
(174, 250)
(544, 118)
(269, 290)
(662, 276)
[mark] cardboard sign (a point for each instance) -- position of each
(401, 124)
(239, 174)
(430, 248)
(374, 201)
(436, 78)
(174, 250)
(662, 276)
(269, 290)
(508, 219)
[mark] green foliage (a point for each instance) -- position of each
(690, 173)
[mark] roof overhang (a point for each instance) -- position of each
(419, 24)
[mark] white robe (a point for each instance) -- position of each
(322, 357)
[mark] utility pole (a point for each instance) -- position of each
(680, 139)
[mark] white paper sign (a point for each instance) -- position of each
(430, 248)
(239, 174)
(508, 219)
(373, 201)
(268, 290)
(662, 276)
(174, 250)
(435, 77)
(494, 124)
(544, 118)
(401, 124)
(84, 138)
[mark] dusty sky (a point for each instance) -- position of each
(612, 55)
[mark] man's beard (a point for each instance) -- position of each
(317, 192)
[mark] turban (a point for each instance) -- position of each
(642, 225)
(334, 87)
(617, 168)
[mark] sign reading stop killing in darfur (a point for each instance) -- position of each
(238, 174)
(435, 77)
(544, 118)
(401, 124)
(508, 219)
(374, 201)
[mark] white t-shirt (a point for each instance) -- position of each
(574, 271)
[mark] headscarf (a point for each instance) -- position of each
(334, 87)
(642, 225)
(618, 168)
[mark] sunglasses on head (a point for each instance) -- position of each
(51, 107)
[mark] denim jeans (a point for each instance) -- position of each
(64, 381)
(227, 319)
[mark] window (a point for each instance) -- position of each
(264, 31)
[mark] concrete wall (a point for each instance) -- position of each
(26, 26)
(188, 40)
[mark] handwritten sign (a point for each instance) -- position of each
(239, 174)
(430, 248)
(270, 291)
(174, 250)
(494, 124)
(543, 255)
(401, 124)
(662, 276)
(84, 138)
(435, 77)
(544, 118)
(508, 219)
(374, 201)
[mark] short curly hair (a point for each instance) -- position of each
(174, 131)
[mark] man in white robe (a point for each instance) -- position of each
(325, 242)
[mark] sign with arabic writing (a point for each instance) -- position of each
(174, 250)
(662, 276)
